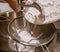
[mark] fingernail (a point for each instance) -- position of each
(17, 9)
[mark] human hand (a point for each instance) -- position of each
(13, 4)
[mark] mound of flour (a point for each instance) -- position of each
(50, 9)
(26, 37)
(31, 13)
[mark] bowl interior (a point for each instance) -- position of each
(43, 33)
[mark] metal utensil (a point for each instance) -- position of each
(47, 31)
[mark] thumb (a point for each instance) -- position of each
(13, 4)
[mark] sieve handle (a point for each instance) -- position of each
(34, 4)
(45, 48)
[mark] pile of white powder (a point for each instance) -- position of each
(50, 9)
(26, 37)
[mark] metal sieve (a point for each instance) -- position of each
(43, 33)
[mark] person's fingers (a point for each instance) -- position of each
(2, 1)
(13, 4)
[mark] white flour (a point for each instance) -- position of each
(25, 36)
(30, 15)
(50, 9)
